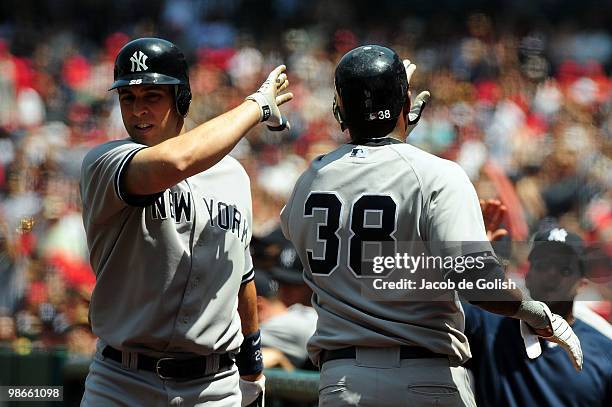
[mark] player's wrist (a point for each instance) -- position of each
(253, 110)
(250, 360)
(263, 105)
(536, 315)
(252, 377)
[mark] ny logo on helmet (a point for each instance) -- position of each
(287, 257)
(557, 235)
(138, 61)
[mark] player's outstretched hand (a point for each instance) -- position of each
(269, 98)
(493, 213)
(253, 392)
(420, 101)
(561, 333)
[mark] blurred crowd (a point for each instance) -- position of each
(525, 107)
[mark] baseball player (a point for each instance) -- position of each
(168, 221)
(504, 375)
(373, 192)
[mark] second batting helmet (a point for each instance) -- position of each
(371, 89)
(157, 62)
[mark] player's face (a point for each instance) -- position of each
(553, 277)
(149, 114)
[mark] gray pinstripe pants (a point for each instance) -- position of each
(378, 378)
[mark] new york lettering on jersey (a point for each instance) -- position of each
(178, 205)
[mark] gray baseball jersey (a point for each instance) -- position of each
(381, 192)
(168, 266)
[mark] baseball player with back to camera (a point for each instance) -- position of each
(168, 221)
(378, 189)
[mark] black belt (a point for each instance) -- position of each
(406, 352)
(176, 369)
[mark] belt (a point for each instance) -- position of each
(406, 352)
(168, 368)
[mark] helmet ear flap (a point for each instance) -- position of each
(338, 114)
(182, 98)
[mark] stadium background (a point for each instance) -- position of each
(521, 99)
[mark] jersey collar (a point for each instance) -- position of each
(375, 142)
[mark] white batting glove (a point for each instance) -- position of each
(269, 99)
(531, 341)
(251, 391)
(418, 104)
(564, 336)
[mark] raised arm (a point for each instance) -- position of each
(160, 166)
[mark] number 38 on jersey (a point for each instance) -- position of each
(350, 241)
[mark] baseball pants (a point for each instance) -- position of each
(377, 377)
(110, 384)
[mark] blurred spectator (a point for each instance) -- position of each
(268, 307)
(286, 323)
(7, 332)
(80, 340)
(288, 272)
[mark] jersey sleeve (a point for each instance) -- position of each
(249, 271)
(453, 222)
(284, 221)
(285, 214)
(101, 182)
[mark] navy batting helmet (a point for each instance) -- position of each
(371, 89)
(157, 62)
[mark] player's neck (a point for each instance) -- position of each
(399, 132)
